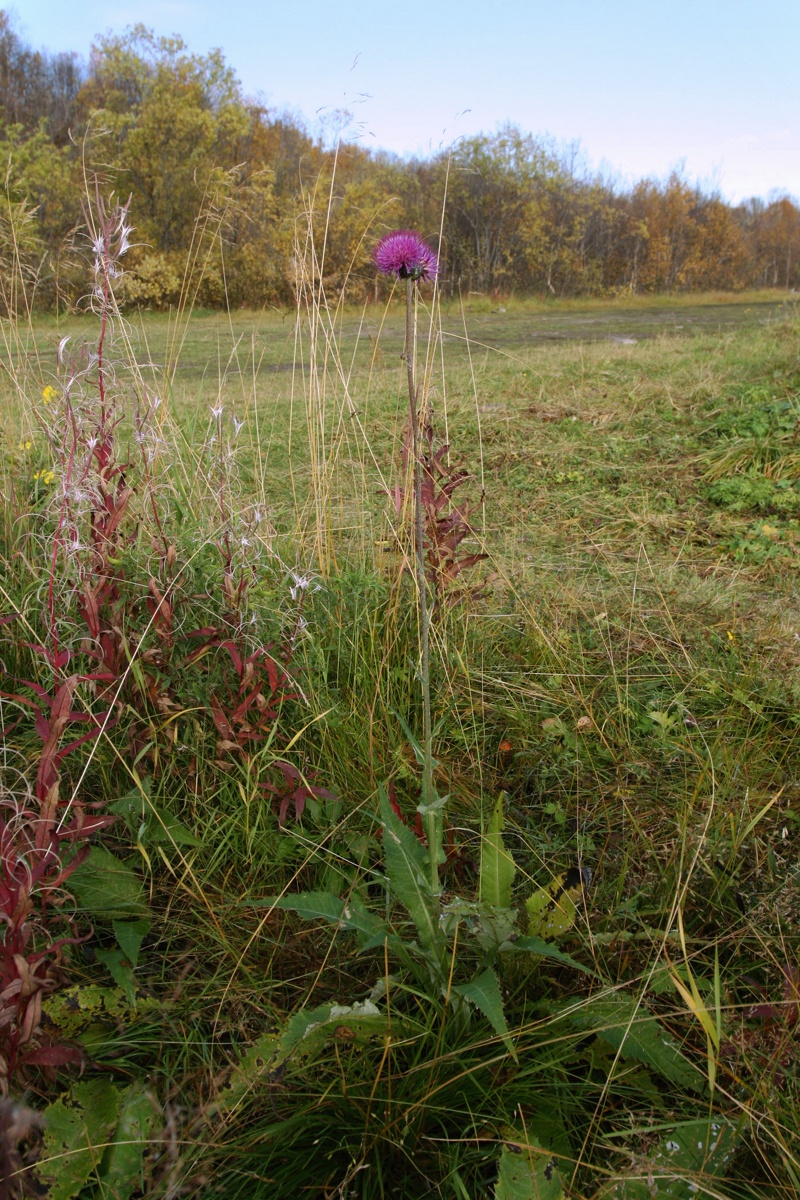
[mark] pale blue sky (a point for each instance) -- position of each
(644, 84)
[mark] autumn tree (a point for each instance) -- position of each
(231, 202)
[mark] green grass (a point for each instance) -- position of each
(637, 654)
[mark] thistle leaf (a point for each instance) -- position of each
(484, 993)
(324, 906)
(552, 910)
(406, 870)
(689, 1160)
(74, 1129)
(526, 1170)
(497, 865)
(635, 1033)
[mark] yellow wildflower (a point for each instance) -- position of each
(49, 394)
(24, 445)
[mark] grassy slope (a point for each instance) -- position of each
(638, 648)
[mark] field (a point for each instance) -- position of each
(602, 1000)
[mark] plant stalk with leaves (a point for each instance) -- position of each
(432, 812)
(407, 256)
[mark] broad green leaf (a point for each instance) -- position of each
(406, 870)
(689, 1161)
(104, 887)
(75, 1009)
(635, 1032)
(552, 909)
(121, 1168)
(130, 935)
(163, 827)
(491, 927)
(484, 993)
(497, 865)
(306, 1034)
(309, 1029)
(259, 1060)
(117, 964)
(315, 906)
(136, 808)
(535, 945)
(134, 805)
(527, 1171)
(78, 1127)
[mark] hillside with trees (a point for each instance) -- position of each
(224, 192)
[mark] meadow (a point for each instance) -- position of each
(211, 706)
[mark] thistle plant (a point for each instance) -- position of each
(405, 255)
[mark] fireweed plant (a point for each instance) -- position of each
(113, 658)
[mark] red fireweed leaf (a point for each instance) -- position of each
(236, 657)
(221, 721)
(242, 709)
(272, 675)
(300, 796)
(52, 1056)
(35, 687)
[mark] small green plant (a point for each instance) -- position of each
(764, 542)
(755, 493)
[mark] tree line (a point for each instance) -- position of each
(231, 202)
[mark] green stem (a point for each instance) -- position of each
(433, 819)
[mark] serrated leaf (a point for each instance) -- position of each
(406, 869)
(637, 1034)
(497, 865)
(535, 945)
(75, 1009)
(78, 1127)
(259, 1060)
(305, 1035)
(130, 935)
(121, 1168)
(491, 927)
(117, 965)
(689, 1161)
(552, 909)
(137, 808)
(484, 993)
(527, 1171)
(324, 906)
(163, 827)
(104, 887)
(310, 1030)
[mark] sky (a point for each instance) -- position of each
(709, 87)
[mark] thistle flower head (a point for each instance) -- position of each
(405, 254)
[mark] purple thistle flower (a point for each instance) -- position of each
(406, 254)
